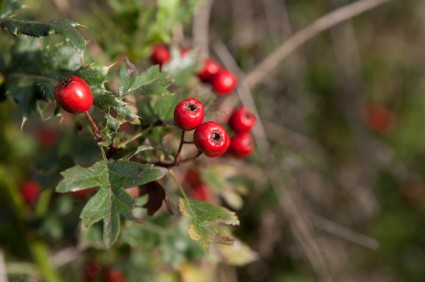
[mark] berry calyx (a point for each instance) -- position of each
(211, 139)
(242, 120)
(30, 191)
(188, 114)
(73, 94)
(224, 82)
(241, 145)
(160, 54)
(209, 70)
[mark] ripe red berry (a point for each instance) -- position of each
(200, 192)
(224, 82)
(74, 95)
(30, 191)
(192, 177)
(92, 270)
(81, 194)
(47, 136)
(114, 275)
(241, 145)
(189, 113)
(380, 119)
(209, 70)
(242, 120)
(211, 138)
(184, 51)
(160, 54)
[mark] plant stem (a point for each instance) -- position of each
(178, 185)
(177, 157)
(96, 130)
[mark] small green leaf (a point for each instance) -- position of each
(9, 8)
(206, 219)
(63, 27)
(150, 82)
(106, 102)
(111, 200)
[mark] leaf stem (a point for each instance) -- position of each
(178, 185)
(138, 135)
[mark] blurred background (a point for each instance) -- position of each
(336, 187)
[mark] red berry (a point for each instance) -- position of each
(241, 145)
(115, 275)
(211, 138)
(30, 191)
(47, 136)
(242, 120)
(92, 270)
(189, 113)
(81, 194)
(200, 192)
(74, 95)
(192, 177)
(160, 54)
(224, 82)
(380, 119)
(184, 51)
(209, 70)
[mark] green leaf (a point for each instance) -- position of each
(163, 107)
(9, 8)
(206, 219)
(63, 27)
(150, 82)
(181, 68)
(106, 102)
(111, 200)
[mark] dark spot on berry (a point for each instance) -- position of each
(191, 107)
(216, 136)
(248, 115)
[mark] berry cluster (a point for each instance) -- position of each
(223, 81)
(242, 121)
(209, 137)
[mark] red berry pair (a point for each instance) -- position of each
(209, 137)
(223, 81)
(242, 121)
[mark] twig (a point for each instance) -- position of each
(299, 38)
(64, 257)
(341, 231)
(96, 130)
(299, 227)
(177, 157)
(200, 28)
(3, 272)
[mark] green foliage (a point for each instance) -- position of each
(205, 221)
(111, 200)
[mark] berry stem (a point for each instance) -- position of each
(178, 185)
(177, 157)
(96, 130)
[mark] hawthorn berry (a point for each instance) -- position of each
(73, 94)
(209, 70)
(81, 194)
(224, 82)
(188, 114)
(200, 192)
(192, 177)
(47, 136)
(380, 119)
(93, 270)
(242, 120)
(30, 191)
(241, 145)
(160, 54)
(211, 139)
(114, 275)
(184, 51)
